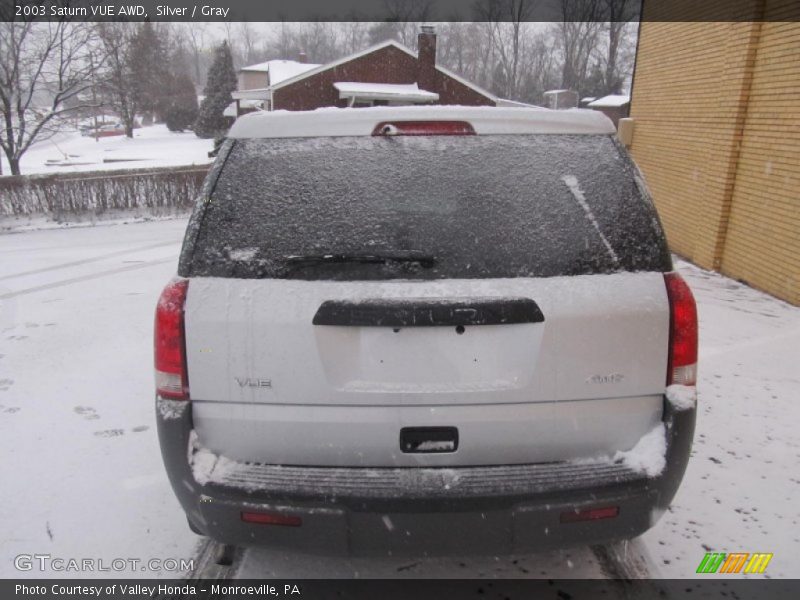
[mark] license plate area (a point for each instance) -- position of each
(428, 440)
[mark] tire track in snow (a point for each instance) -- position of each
(98, 275)
(620, 560)
(86, 260)
(627, 562)
(212, 560)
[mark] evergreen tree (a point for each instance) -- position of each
(219, 85)
(181, 111)
(149, 69)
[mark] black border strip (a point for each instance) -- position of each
(418, 589)
(430, 11)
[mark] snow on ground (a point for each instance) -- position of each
(78, 440)
(570, 563)
(742, 486)
(81, 470)
(153, 146)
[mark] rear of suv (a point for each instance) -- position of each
(425, 330)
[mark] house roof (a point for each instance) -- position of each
(231, 110)
(330, 121)
(610, 101)
(506, 102)
(384, 44)
(408, 92)
(280, 70)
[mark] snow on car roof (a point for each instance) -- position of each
(332, 122)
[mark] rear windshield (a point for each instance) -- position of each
(353, 208)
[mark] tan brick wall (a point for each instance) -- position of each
(762, 245)
(713, 102)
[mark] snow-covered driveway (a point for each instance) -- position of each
(82, 475)
(81, 470)
(741, 491)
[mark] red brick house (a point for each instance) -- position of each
(388, 73)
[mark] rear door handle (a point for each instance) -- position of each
(428, 440)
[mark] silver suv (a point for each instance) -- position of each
(425, 330)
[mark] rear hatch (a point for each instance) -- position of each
(500, 294)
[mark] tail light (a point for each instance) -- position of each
(170, 342)
(682, 367)
(423, 128)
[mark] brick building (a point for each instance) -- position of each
(716, 130)
(388, 73)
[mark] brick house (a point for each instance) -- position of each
(388, 73)
(715, 108)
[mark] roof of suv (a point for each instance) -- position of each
(332, 122)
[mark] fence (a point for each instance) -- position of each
(158, 192)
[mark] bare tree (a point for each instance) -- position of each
(617, 13)
(318, 40)
(247, 43)
(466, 49)
(507, 23)
(577, 35)
(408, 15)
(541, 72)
(196, 41)
(44, 69)
(355, 36)
(118, 83)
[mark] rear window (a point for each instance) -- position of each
(478, 206)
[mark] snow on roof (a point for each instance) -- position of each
(611, 101)
(230, 110)
(280, 70)
(555, 92)
(507, 102)
(260, 67)
(371, 49)
(588, 99)
(331, 121)
(387, 91)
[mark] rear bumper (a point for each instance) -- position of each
(411, 511)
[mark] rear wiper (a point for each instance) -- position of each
(412, 256)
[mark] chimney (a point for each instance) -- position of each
(426, 59)
(302, 57)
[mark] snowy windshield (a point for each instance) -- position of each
(477, 206)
